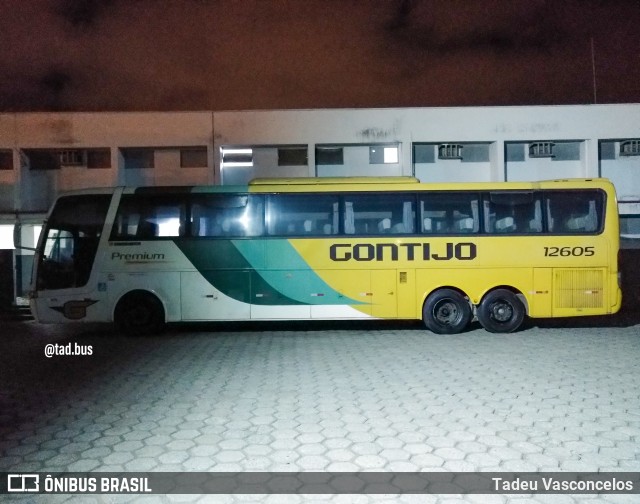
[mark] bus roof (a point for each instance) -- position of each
(363, 184)
(355, 184)
(333, 180)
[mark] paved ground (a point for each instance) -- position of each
(327, 397)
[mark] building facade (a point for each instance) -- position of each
(44, 154)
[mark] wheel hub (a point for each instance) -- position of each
(502, 312)
(446, 312)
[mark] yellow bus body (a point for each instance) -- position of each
(550, 286)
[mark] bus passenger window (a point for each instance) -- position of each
(226, 215)
(449, 213)
(147, 229)
(145, 217)
(513, 212)
(302, 215)
(574, 212)
(379, 214)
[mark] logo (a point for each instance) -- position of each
(23, 483)
(141, 257)
(75, 310)
(463, 251)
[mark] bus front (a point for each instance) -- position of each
(63, 286)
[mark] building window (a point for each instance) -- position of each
(566, 151)
(630, 148)
(329, 156)
(71, 157)
(423, 153)
(541, 149)
(607, 150)
(193, 157)
(450, 151)
(236, 157)
(42, 159)
(99, 158)
(383, 154)
(6, 160)
(514, 152)
(293, 156)
(135, 158)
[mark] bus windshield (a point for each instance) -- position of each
(70, 241)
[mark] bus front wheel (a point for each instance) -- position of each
(501, 311)
(446, 311)
(139, 313)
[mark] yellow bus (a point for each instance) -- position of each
(331, 248)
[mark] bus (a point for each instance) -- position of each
(331, 248)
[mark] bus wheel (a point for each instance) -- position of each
(446, 311)
(501, 311)
(139, 313)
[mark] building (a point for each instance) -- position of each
(43, 154)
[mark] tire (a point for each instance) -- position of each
(139, 313)
(501, 311)
(446, 311)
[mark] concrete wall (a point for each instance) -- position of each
(354, 130)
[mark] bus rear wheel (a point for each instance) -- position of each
(139, 313)
(446, 311)
(501, 311)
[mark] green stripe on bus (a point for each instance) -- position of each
(225, 265)
(290, 274)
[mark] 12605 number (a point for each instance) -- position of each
(569, 251)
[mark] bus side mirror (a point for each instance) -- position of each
(17, 238)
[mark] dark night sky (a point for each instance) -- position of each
(264, 54)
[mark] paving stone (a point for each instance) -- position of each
(142, 464)
(365, 462)
(310, 438)
(312, 462)
(450, 453)
(337, 443)
(119, 458)
(285, 444)
(427, 460)
(84, 465)
(483, 461)
(340, 400)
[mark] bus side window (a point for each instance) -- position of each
(513, 212)
(126, 222)
(146, 217)
(147, 229)
(302, 214)
(205, 219)
(449, 213)
(574, 212)
(226, 215)
(379, 214)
